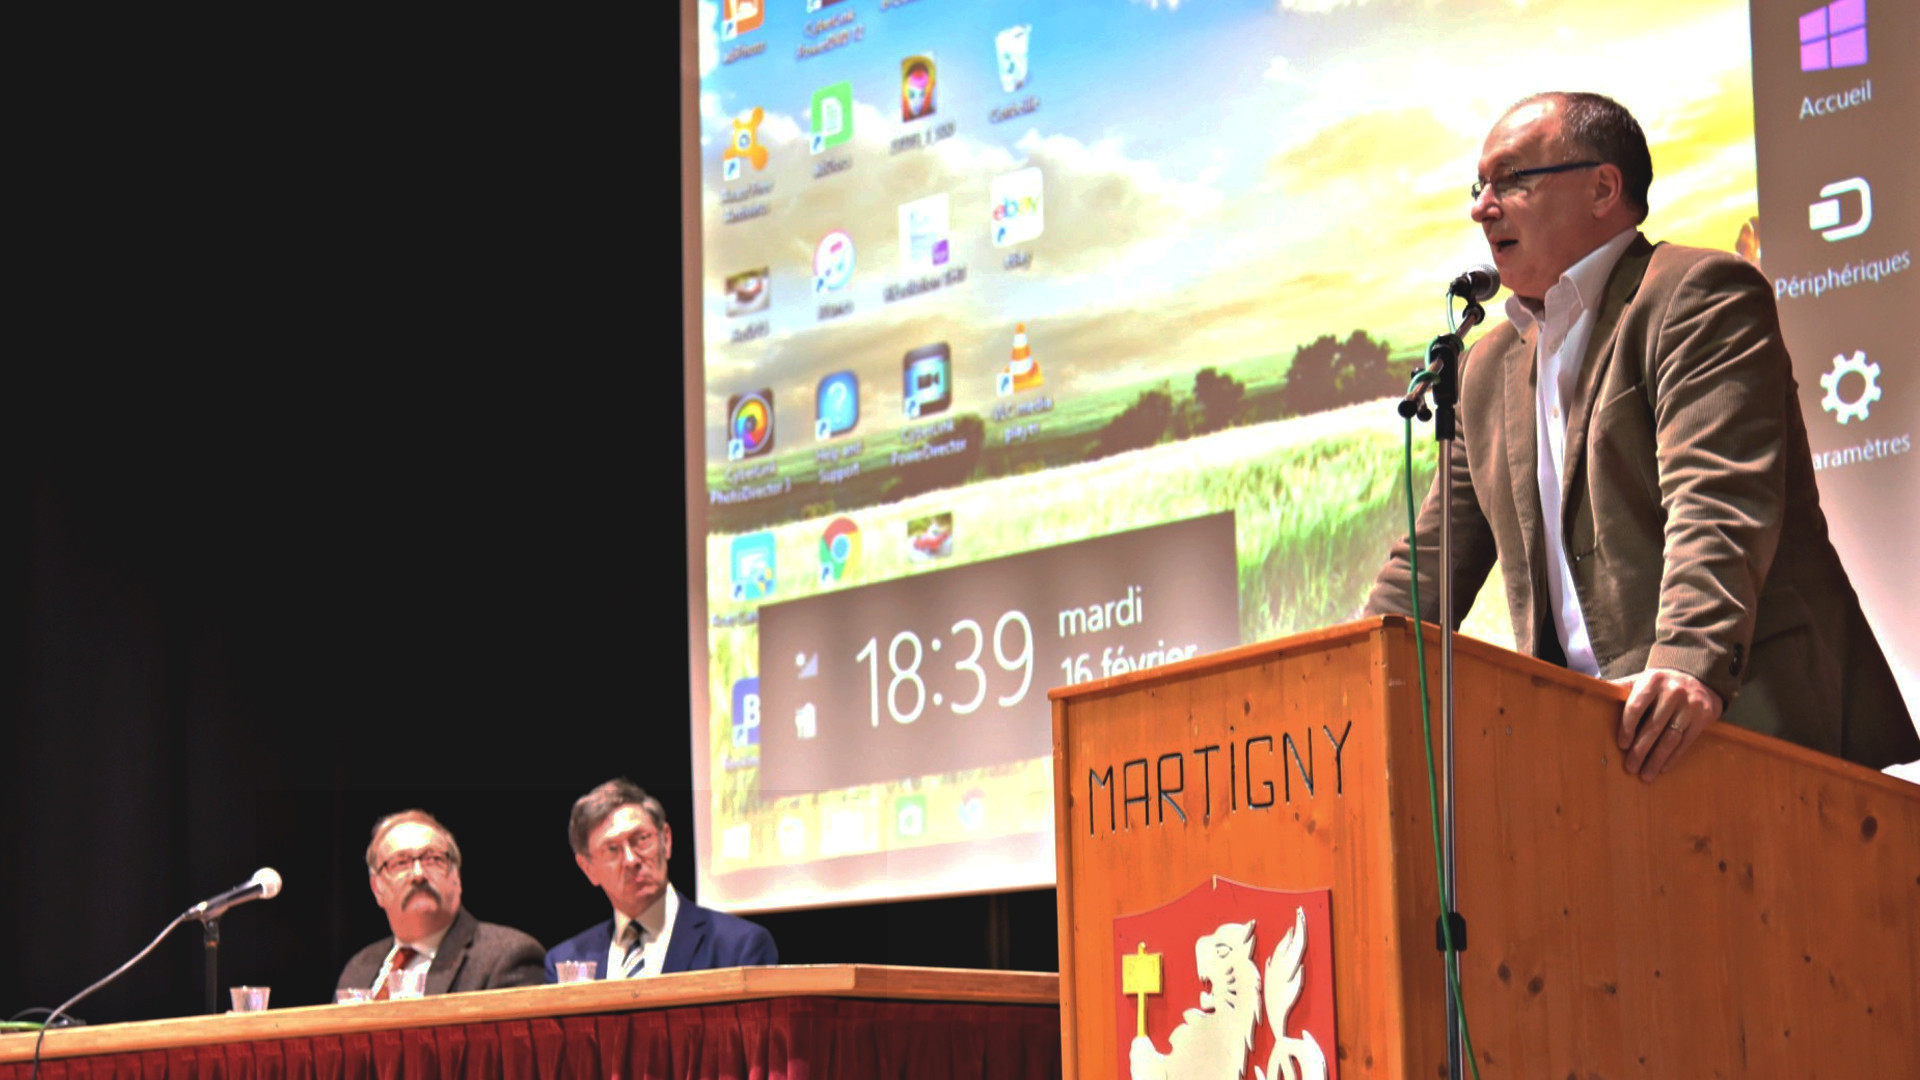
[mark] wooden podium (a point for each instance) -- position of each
(1755, 912)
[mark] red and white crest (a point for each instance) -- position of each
(1228, 981)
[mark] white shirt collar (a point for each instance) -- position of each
(428, 946)
(1582, 284)
(656, 935)
(652, 921)
(425, 951)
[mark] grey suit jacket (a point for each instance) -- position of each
(1691, 520)
(474, 955)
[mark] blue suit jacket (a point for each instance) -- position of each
(702, 939)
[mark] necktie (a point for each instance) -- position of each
(636, 957)
(401, 958)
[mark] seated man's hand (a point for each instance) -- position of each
(1664, 715)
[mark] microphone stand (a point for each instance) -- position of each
(212, 927)
(1442, 384)
(53, 1018)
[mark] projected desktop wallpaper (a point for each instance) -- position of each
(1037, 343)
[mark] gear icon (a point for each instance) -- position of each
(1844, 365)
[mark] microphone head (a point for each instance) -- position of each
(269, 881)
(1477, 283)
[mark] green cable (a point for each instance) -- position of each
(1426, 728)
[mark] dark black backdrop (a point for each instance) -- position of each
(344, 476)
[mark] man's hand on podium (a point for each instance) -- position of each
(1665, 713)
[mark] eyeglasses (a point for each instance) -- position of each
(640, 843)
(1513, 181)
(433, 862)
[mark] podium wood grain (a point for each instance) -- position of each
(1754, 912)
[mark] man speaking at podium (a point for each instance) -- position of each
(1632, 452)
(622, 843)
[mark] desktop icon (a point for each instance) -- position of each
(791, 835)
(917, 80)
(839, 549)
(1010, 47)
(973, 809)
(736, 842)
(749, 424)
(1017, 210)
(836, 405)
(832, 262)
(746, 713)
(747, 292)
(1834, 36)
(831, 115)
(923, 233)
(1023, 369)
(910, 815)
(753, 566)
(927, 380)
(1824, 217)
(744, 145)
(930, 537)
(740, 16)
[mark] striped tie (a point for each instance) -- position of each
(401, 958)
(636, 958)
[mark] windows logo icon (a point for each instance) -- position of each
(1834, 36)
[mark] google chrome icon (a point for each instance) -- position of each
(839, 548)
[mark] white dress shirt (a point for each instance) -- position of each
(1565, 322)
(424, 951)
(656, 932)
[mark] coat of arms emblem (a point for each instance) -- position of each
(1227, 976)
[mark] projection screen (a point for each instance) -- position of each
(1030, 343)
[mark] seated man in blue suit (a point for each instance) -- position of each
(621, 842)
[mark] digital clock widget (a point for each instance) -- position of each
(749, 424)
(946, 670)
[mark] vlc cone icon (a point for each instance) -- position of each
(1022, 369)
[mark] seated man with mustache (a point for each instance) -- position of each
(413, 865)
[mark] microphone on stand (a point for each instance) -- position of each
(263, 885)
(1477, 283)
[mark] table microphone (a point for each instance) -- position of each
(264, 885)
